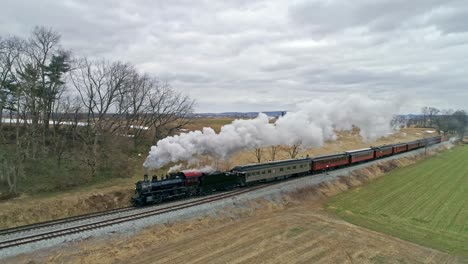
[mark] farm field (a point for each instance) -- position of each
(426, 203)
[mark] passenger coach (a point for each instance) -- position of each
(274, 170)
(329, 162)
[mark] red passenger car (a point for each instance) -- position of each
(413, 145)
(329, 162)
(383, 151)
(360, 155)
(398, 148)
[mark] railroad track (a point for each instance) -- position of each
(29, 227)
(107, 222)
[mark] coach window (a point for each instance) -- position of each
(263, 172)
(269, 171)
(281, 169)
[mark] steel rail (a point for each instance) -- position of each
(108, 222)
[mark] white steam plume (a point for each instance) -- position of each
(181, 167)
(312, 124)
(175, 168)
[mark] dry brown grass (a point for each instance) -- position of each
(28, 211)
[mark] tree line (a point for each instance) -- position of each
(447, 121)
(76, 115)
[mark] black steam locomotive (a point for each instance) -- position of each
(182, 185)
(195, 183)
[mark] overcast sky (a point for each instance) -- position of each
(247, 55)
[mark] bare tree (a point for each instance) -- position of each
(65, 123)
(258, 154)
(135, 106)
(170, 110)
(425, 113)
(399, 121)
(273, 151)
(431, 115)
(99, 85)
(293, 150)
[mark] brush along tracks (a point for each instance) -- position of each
(14, 237)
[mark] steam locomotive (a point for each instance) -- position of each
(195, 183)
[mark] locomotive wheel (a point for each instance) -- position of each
(157, 199)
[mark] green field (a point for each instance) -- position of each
(426, 203)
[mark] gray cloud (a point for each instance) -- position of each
(264, 55)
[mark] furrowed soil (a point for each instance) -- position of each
(293, 229)
(426, 203)
(116, 193)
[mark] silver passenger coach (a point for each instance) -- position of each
(273, 170)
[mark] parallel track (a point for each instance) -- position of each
(104, 223)
(29, 227)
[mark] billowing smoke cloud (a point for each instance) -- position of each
(310, 126)
(175, 168)
(181, 167)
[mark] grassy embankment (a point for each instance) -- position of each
(44, 177)
(426, 203)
